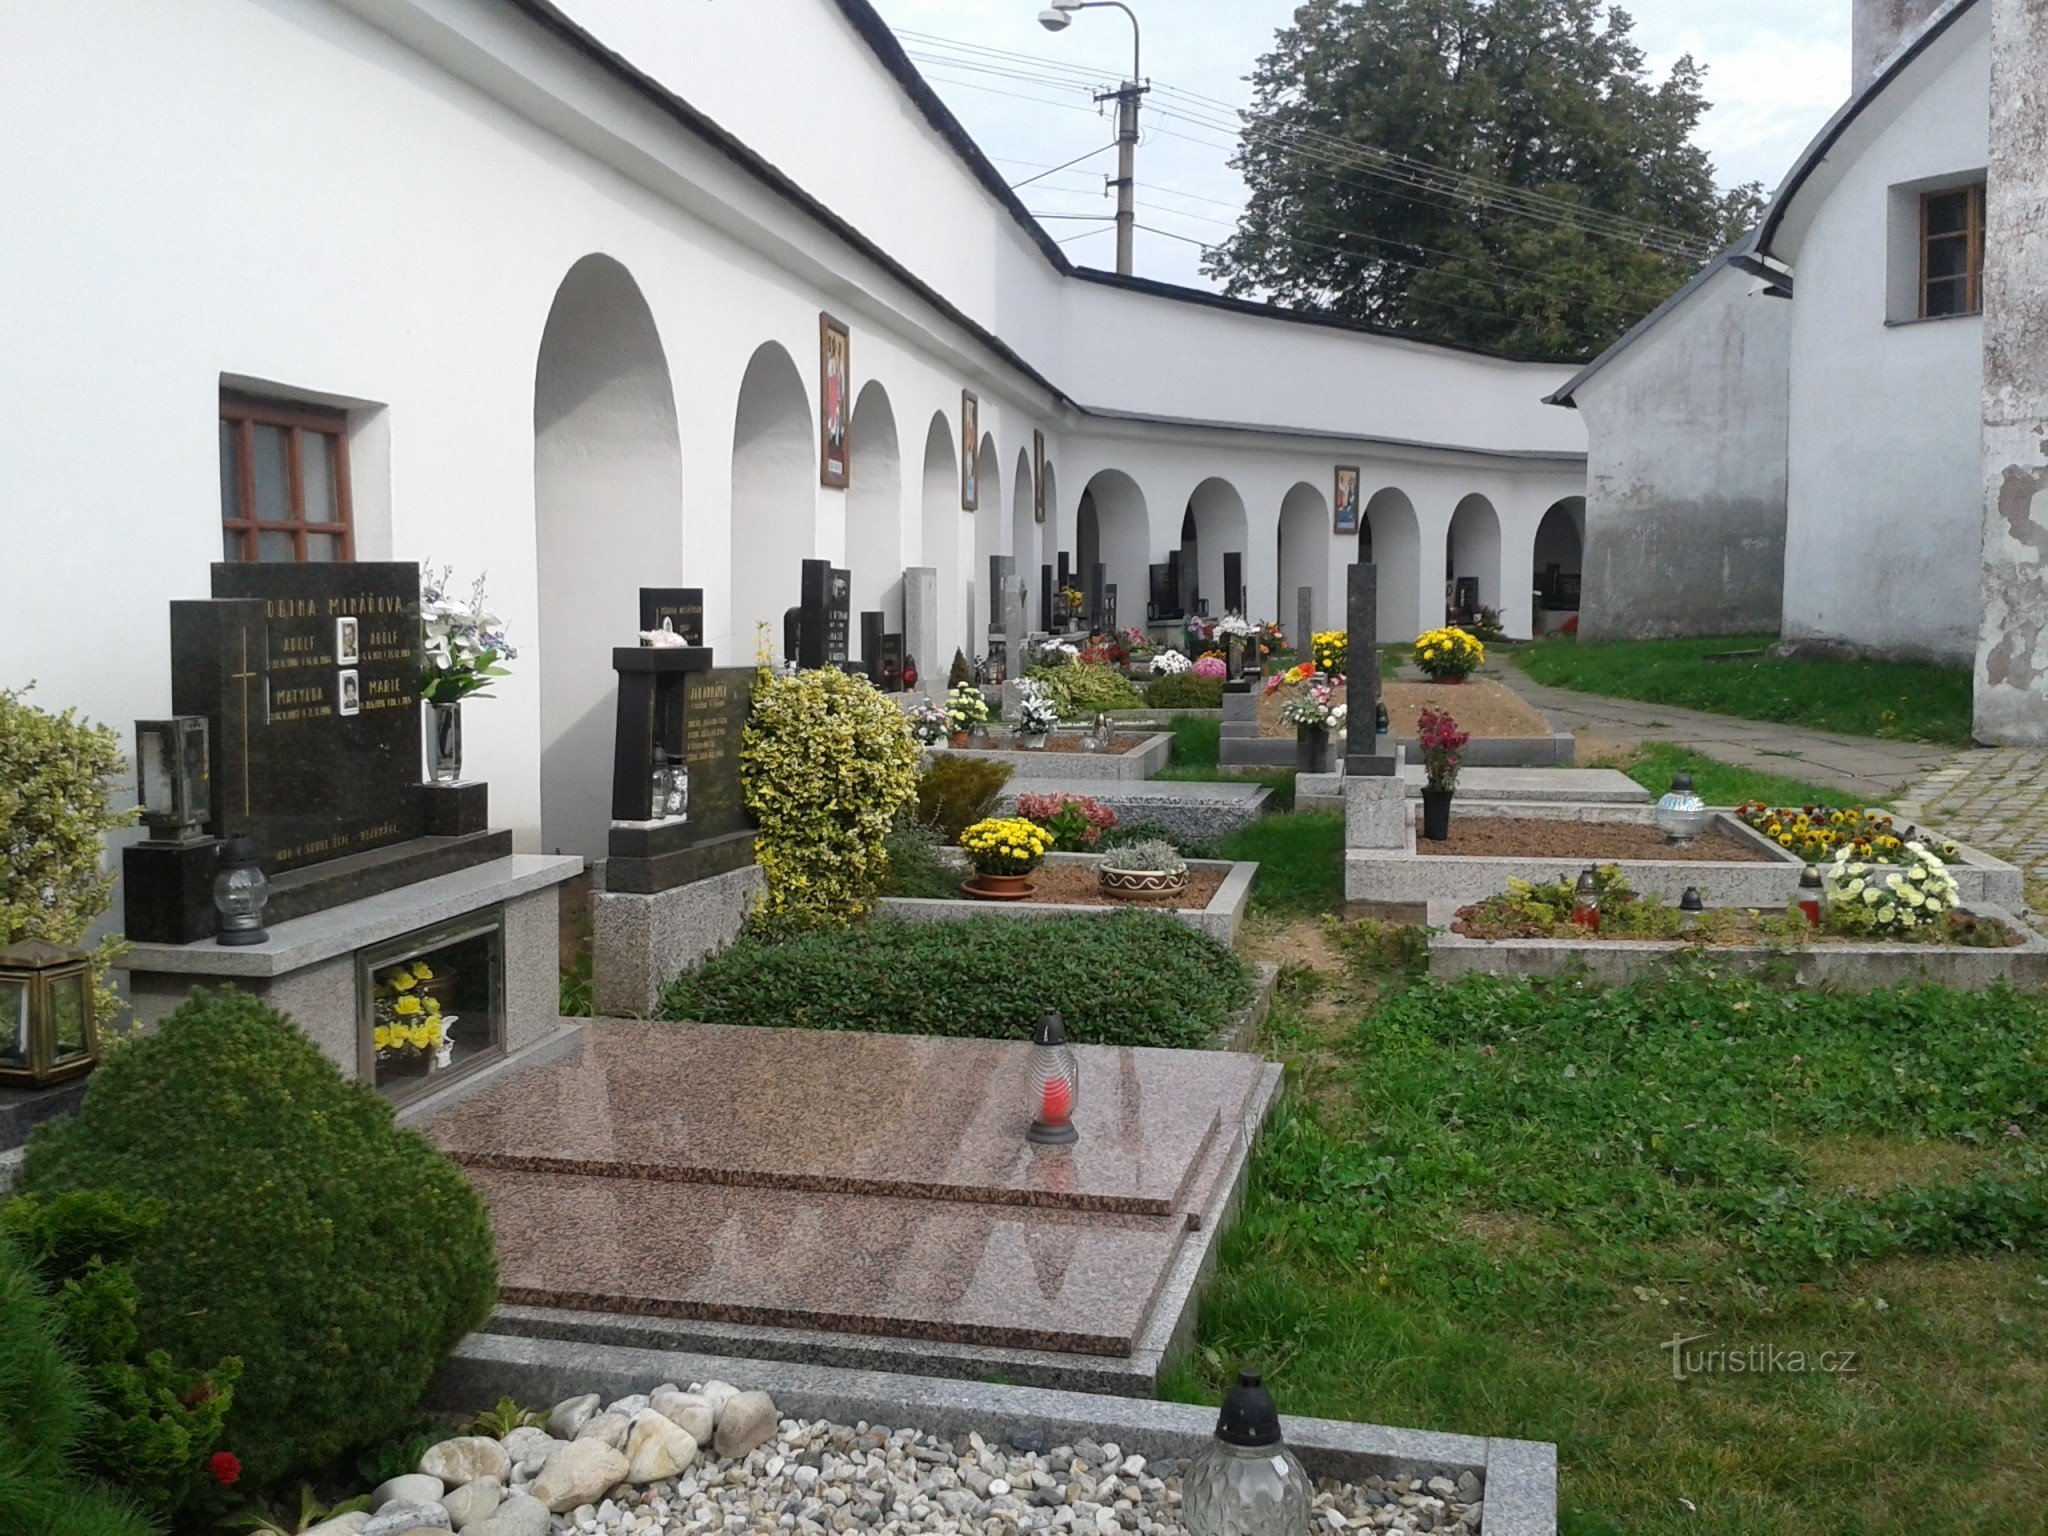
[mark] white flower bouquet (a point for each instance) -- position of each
(1235, 626)
(1036, 712)
(1167, 663)
(1898, 897)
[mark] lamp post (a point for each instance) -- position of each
(1058, 18)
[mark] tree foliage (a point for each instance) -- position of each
(1505, 173)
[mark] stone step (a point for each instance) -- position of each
(1256, 751)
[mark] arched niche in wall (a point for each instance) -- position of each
(1390, 537)
(608, 519)
(1557, 562)
(1049, 539)
(774, 498)
(939, 542)
(1216, 519)
(1024, 538)
(1304, 560)
(1472, 557)
(1111, 526)
(992, 507)
(874, 507)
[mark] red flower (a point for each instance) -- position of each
(226, 1468)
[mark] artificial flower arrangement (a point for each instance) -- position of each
(409, 1021)
(1448, 653)
(1137, 644)
(465, 641)
(965, 709)
(930, 721)
(1073, 597)
(1441, 742)
(1271, 637)
(1076, 822)
(1315, 706)
(1169, 663)
(1896, 897)
(1036, 713)
(1054, 653)
(1234, 626)
(1817, 832)
(1210, 665)
(1296, 675)
(1006, 845)
(1105, 651)
(1330, 649)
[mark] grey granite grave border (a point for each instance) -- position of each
(1518, 1477)
(1140, 762)
(1220, 919)
(1195, 809)
(1844, 967)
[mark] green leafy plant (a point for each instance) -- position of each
(339, 1256)
(1125, 833)
(311, 1512)
(1148, 856)
(55, 808)
(1184, 690)
(579, 987)
(151, 1425)
(826, 764)
(506, 1416)
(918, 866)
(956, 791)
(1134, 978)
(1078, 689)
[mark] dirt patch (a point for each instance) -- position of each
(1481, 706)
(1872, 1166)
(1075, 885)
(1597, 842)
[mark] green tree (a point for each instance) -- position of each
(1505, 173)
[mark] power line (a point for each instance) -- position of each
(1055, 170)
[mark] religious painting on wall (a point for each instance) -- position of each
(835, 366)
(1345, 502)
(970, 452)
(1038, 475)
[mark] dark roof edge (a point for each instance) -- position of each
(1322, 434)
(1628, 338)
(1265, 311)
(1830, 134)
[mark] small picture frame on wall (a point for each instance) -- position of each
(835, 401)
(1344, 500)
(970, 451)
(1037, 475)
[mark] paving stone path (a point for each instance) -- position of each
(1995, 798)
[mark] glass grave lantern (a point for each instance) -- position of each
(1055, 1076)
(240, 891)
(1245, 1481)
(1810, 895)
(668, 796)
(1586, 900)
(47, 1030)
(171, 777)
(1681, 814)
(1690, 909)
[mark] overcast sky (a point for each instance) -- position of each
(1775, 70)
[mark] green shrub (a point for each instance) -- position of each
(151, 1424)
(956, 792)
(54, 808)
(826, 764)
(1125, 833)
(339, 1256)
(916, 863)
(1133, 978)
(1184, 690)
(1078, 689)
(43, 1409)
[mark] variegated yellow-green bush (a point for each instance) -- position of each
(826, 765)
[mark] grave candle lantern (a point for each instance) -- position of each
(1690, 909)
(1681, 813)
(170, 776)
(1245, 1481)
(1809, 897)
(1055, 1077)
(240, 890)
(47, 1031)
(1586, 900)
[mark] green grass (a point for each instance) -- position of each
(1196, 741)
(1488, 1204)
(1300, 858)
(1654, 762)
(1897, 700)
(1196, 746)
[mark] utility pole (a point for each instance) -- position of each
(1126, 98)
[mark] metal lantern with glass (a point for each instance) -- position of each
(1245, 1481)
(1055, 1077)
(1810, 895)
(171, 777)
(1586, 900)
(47, 1030)
(1690, 909)
(240, 891)
(1681, 814)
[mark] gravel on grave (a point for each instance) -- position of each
(1077, 885)
(715, 1460)
(1066, 741)
(1480, 705)
(1531, 837)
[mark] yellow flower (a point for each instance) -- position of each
(403, 982)
(407, 1005)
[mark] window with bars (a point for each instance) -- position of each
(283, 482)
(1952, 251)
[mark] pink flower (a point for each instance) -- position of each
(1211, 666)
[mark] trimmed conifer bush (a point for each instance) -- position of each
(1184, 690)
(340, 1257)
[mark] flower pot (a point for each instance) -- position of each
(1312, 748)
(998, 887)
(1141, 885)
(444, 742)
(407, 1063)
(1033, 741)
(957, 739)
(1448, 682)
(1436, 814)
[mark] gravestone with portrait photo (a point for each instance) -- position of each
(824, 630)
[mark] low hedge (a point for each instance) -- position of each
(1133, 978)
(1184, 690)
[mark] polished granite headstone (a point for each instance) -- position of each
(868, 1184)
(1362, 670)
(1233, 582)
(712, 708)
(1159, 598)
(682, 608)
(1108, 619)
(825, 631)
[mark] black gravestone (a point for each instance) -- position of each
(871, 622)
(1108, 609)
(825, 634)
(1045, 596)
(793, 636)
(1066, 572)
(1160, 599)
(1233, 582)
(891, 668)
(1362, 672)
(1185, 597)
(717, 836)
(1094, 592)
(681, 607)
(308, 675)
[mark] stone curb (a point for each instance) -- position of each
(1519, 1476)
(1220, 919)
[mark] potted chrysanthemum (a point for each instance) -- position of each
(1004, 850)
(965, 709)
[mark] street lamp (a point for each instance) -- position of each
(1058, 18)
